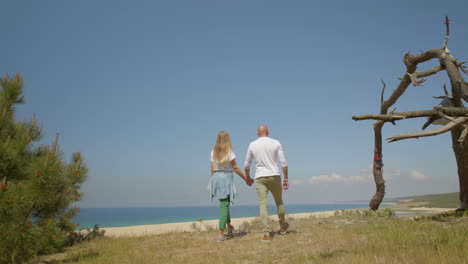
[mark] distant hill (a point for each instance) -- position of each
(442, 200)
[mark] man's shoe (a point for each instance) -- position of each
(230, 230)
(284, 229)
(266, 239)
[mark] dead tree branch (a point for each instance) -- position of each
(411, 61)
(457, 126)
(463, 135)
(383, 92)
(459, 86)
(415, 81)
(447, 32)
(450, 111)
(458, 122)
(430, 72)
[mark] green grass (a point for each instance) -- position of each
(443, 200)
(349, 238)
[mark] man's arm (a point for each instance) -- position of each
(284, 166)
(247, 173)
(248, 179)
(248, 162)
(285, 180)
(281, 157)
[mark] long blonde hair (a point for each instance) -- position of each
(223, 148)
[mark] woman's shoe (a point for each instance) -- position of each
(222, 238)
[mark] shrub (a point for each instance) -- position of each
(76, 237)
(36, 186)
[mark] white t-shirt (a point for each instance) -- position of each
(267, 152)
(226, 166)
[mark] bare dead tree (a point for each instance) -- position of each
(455, 114)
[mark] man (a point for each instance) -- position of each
(267, 152)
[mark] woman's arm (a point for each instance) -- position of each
(239, 172)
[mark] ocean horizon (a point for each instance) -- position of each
(133, 216)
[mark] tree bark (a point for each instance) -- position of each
(461, 157)
(460, 149)
(411, 61)
(450, 111)
(377, 168)
(449, 127)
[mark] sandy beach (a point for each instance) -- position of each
(143, 230)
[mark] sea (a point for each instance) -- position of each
(119, 217)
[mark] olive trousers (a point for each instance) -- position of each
(272, 184)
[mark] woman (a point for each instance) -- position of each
(223, 164)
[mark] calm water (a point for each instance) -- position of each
(116, 217)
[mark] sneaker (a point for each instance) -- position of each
(230, 230)
(266, 239)
(284, 229)
(222, 238)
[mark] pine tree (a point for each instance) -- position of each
(37, 187)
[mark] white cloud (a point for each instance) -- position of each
(334, 177)
(365, 175)
(361, 178)
(417, 175)
(337, 178)
(297, 182)
(388, 173)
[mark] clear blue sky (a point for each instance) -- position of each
(142, 88)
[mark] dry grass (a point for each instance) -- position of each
(349, 238)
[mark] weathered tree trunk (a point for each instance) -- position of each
(411, 61)
(377, 168)
(460, 149)
(461, 156)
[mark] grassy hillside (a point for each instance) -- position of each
(443, 200)
(352, 238)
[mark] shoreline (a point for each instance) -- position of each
(154, 229)
(135, 216)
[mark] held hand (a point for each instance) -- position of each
(285, 185)
(249, 182)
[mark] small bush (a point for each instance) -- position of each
(255, 224)
(386, 213)
(196, 226)
(79, 236)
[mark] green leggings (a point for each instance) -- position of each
(224, 216)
